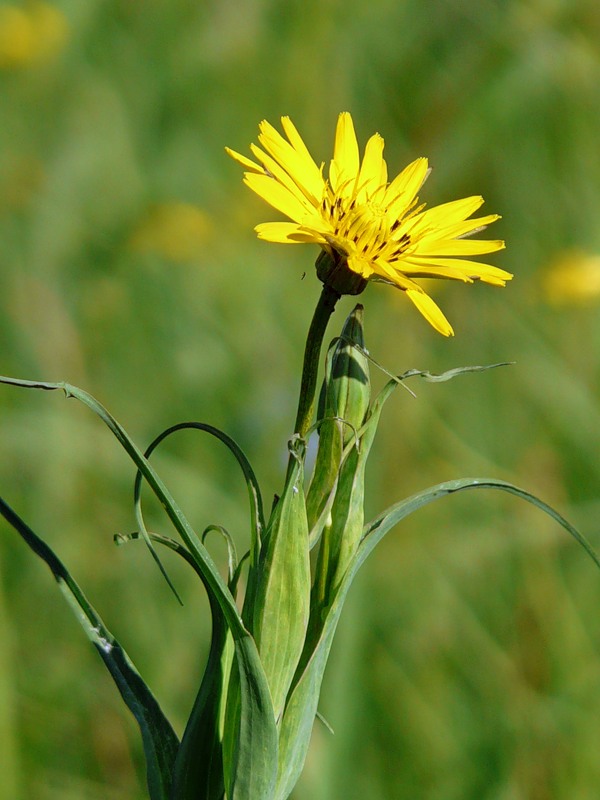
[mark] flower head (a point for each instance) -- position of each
(370, 228)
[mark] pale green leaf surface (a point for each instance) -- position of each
(281, 604)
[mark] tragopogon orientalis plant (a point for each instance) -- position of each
(275, 612)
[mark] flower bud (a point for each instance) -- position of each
(350, 383)
(345, 408)
(343, 405)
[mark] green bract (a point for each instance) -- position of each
(281, 602)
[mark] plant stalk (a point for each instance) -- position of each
(312, 353)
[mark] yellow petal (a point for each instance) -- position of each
(369, 177)
(276, 195)
(430, 267)
(456, 247)
(245, 162)
(383, 176)
(431, 311)
(397, 276)
(279, 174)
(405, 187)
(285, 233)
(468, 227)
(360, 265)
(346, 161)
(445, 214)
(300, 167)
(295, 139)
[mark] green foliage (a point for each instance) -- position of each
(250, 727)
(470, 634)
(253, 768)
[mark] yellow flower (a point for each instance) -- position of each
(573, 278)
(375, 229)
(34, 34)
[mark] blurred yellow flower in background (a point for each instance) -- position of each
(379, 230)
(174, 231)
(32, 34)
(573, 278)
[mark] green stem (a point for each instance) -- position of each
(312, 353)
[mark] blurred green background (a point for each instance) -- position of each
(468, 661)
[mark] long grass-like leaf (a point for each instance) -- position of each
(198, 768)
(432, 377)
(159, 740)
(378, 527)
(254, 495)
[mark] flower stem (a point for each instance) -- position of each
(312, 352)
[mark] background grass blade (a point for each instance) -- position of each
(160, 742)
(10, 739)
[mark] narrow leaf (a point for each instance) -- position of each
(432, 377)
(198, 768)
(254, 495)
(159, 740)
(377, 529)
